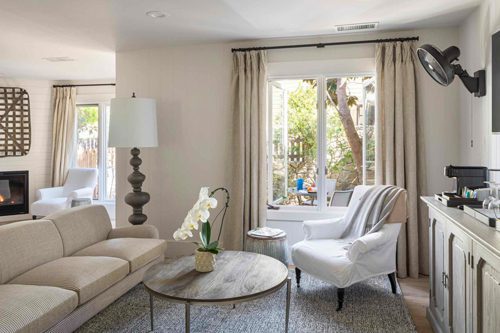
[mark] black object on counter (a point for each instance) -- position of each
(472, 177)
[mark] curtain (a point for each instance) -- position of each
(396, 161)
(63, 132)
(249, 190)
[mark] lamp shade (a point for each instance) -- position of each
(132, 123)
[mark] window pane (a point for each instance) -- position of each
(110, 165)
(350, 141)
(88, 138)
(294, 141)
(369, 135)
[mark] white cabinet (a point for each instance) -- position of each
(464, 272)
(437, 262)
(487, 287)
(458, 281)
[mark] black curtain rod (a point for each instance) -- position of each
(83, 85)
(322, 45)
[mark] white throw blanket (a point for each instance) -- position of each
(371, 211)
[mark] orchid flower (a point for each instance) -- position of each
(189, 223)
(182, 234)
(208, 203)
(200, 212)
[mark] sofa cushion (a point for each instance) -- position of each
(88, 276)
(25, 308)
(24, 245)
(81, 226)
(137, 251)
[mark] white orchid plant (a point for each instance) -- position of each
(201, 213)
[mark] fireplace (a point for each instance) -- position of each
(14, 189)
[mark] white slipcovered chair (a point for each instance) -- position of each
(80, 183)
(343, 262)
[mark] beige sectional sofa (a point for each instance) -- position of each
(58, 272)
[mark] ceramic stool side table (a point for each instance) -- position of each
(276, 247)
(81, 202)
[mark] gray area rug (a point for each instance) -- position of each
(369, 307)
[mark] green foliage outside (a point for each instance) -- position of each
(302, 133)
(88, 115)
(302, 142)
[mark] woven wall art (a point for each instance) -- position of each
(15, 124)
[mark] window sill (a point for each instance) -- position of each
(298, 215)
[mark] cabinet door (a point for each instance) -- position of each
(437, 243)
(458, 281)
(486, 293)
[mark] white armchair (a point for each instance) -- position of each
(343, 262)
(80, 183)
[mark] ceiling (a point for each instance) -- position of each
(91, 31)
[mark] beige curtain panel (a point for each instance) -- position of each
(249, 192)
(396, 148)
(63, 132)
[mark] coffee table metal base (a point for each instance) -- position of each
(187, 309)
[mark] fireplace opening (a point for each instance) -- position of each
(14, 189)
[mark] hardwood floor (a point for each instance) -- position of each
(416, 295)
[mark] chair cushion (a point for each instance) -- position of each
(46, 207)
(79, 178)
(88, 276)
(25, 245)
(81, 226)
(325, 259)
(26, 308)
(137, 251)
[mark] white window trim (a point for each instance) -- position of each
(302, 213)
(102, 101)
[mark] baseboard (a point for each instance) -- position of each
(433, 321)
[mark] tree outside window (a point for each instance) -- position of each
(348, 134)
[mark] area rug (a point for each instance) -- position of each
(369, 307)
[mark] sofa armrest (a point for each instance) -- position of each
(323, 229)
(135, 231)
(86, 192)
(370, 242)
(49, 192)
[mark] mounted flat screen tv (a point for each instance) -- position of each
(495, 86)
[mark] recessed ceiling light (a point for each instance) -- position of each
(156, 14)
(58, 59)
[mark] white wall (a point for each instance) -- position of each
(475, 113)
(192, 85)
(38, 160)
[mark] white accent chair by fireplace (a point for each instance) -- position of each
(343, 262)
(80, 183)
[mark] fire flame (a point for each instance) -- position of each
(2, 199)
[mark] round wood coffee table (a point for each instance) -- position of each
(238, 277)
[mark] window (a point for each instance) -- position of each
(92, 151)
(320, 124)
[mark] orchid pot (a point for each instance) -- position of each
(205, 256)
(204, 261)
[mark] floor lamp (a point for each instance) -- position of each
(132, 124)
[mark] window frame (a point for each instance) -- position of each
(102, 105)
(300, 213)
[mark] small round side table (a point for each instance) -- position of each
(276, 247)
(81, 202)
